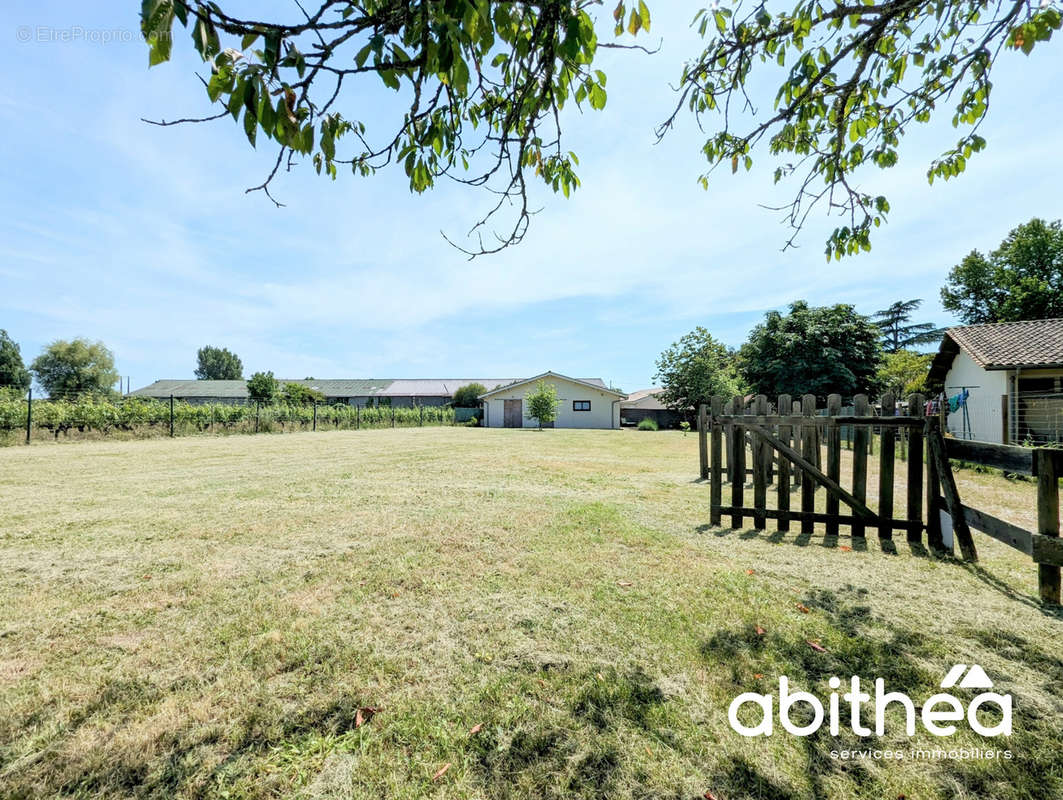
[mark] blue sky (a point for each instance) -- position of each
(144, 238)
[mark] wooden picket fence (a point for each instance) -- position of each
(797, 449)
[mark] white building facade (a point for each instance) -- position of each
(582, 403)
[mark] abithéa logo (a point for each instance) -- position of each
(938, 714)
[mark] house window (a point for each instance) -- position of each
(581, 405)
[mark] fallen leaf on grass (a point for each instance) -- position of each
(758, 675)
(601, 677)
(364, 714)
(649, 752)
(442, 771)
(803, 608)
(816, 646)
(759, 630)
(625, 584)
(475, 729)
(845, 548)
(749, 572)
(709, 796)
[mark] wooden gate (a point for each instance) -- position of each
(787, 448)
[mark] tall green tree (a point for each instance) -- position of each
(262, 387)
(541, 403)
(899, 332)
(218, 364)
(812, 350)
(904, 372)
(1021, 279)
(482, 85)
(68, 369)
(695, 368)
(13, 373)
(468, 396)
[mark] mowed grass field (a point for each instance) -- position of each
(343, 615)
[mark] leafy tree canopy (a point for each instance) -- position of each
(67, 369)
(812, 350)
(695, 368)
(218, 364)
(468, 396)
(262, 388)
(1021, 279)
(297, 394)
(899, 332)
(13, 373)
(541, 403)
(484, 83)
(904, 372)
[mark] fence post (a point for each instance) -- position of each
(782, 479)
(961, 531)
(315, 415)
(258, 412)
(29, 414)
(393, 416)
(716, 487)
(934, 537)
(834, 461)
(916, 409)
(171, 416)
(861, 435)
(738, 465)
(1048, 578)
(758, 447)
(887, 440)
(422, 415)
(703, 441)
(357, 418)
(809, 448)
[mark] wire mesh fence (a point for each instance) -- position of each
(25, 418)
(1038, 418)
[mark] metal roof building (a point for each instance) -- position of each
(402, 392)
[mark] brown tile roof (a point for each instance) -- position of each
(1006, 345)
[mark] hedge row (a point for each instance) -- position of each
(136, 413)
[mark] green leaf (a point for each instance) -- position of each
(250, 127)
(634, 23)
(644, 16)
(597, 97)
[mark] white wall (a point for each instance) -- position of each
(604, 413)
(983, 404)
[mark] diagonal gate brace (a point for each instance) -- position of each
(810, 469)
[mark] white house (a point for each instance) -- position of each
(1012, 373)
(584, 403)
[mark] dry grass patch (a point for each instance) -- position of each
(330, 615)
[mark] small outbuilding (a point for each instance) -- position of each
(1005, 380)
(646, 404)
(584, 403)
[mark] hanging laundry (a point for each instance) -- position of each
(958, 401)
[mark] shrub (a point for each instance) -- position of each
(648, 425)
(468, 396)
